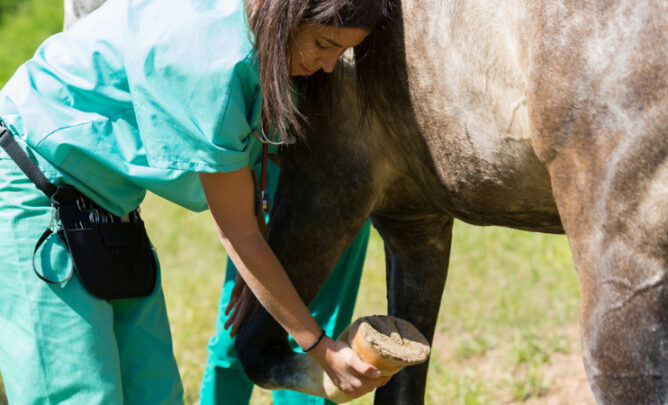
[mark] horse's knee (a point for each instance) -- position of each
(250, 356)
(261, 346)
(625, 343)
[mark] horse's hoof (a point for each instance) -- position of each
(388, 343)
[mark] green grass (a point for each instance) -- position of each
(24, 29)
(510, 300)
(7, 7)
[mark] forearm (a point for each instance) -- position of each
(231, 202)
(265, 276)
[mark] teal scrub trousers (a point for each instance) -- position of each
(224, 381)
(58, 343)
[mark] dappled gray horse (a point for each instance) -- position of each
(75, 9)
(537, 115)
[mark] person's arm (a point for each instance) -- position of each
(231, 201)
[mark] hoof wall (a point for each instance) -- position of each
(388, 343)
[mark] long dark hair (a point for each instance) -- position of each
(274, 24)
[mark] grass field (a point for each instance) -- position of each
(507, 330)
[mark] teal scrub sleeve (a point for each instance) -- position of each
(195, 91)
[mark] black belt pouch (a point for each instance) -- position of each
(112, 260)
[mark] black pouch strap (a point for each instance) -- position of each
(48, 232)
(24, 163)
(57, 194)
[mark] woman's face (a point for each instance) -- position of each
(319, 46)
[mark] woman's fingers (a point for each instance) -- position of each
(348, 372)
(239, 285)
(230, 304)
(362, 386)
(345, 368)
(231, 318)
(236, 299)
(240, 314)
(363, 368)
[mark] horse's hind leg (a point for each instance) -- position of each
(600, 122)
(612, 194)
(417, 253)
(620, 247)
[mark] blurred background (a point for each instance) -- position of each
(508, 327)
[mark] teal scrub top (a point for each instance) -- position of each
(141, 95)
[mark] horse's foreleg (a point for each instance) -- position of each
(417, 253)
(308, 231)
(262, 344)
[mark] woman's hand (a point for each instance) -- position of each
(239, 301)
(346, 370)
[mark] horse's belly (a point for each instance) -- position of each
(505, 186)
(468, 91)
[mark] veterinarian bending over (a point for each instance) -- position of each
(224, 379)
(144, 95)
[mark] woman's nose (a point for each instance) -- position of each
(327, 63)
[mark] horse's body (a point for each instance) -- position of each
(77, 9)
(538, 115)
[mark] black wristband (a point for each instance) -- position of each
(322, 335)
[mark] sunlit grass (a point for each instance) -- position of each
(24, 29)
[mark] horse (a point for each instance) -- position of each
(74, 10)
(536, 115)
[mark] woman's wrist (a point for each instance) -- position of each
(319, 352)
(315, 343)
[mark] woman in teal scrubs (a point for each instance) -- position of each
(161, 96)
(224, 380)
